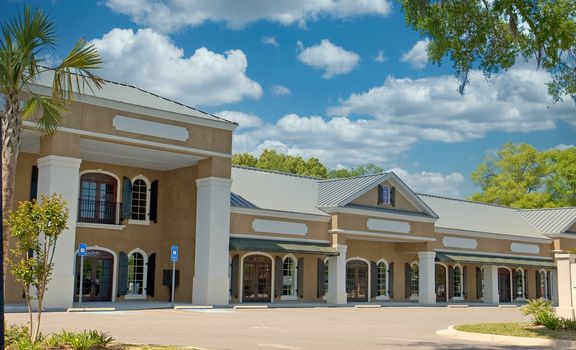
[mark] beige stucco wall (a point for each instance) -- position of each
(370, 198)
(360, 223)
(490, 245)
(242, 224)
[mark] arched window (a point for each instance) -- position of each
(326, 278)
(457, 281)
(98, 201)
(543, 285)
(289, 277)
(137, 273)
(519, 287)
(382, 279)
(140, 199)
(415, 280)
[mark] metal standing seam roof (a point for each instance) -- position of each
(332, 192)
(501, 260)
(550, 220)
(458, 214)
(129, 94)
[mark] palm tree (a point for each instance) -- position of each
(24, 38)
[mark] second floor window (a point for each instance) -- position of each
(383, 194)
(139, 200)
(97, 203)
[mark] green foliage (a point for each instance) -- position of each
(36, 228)
(17, 337)
(272, 160)
(493, 35)
(520, 176)
(568, 324)
(536, 308)
(85, 340)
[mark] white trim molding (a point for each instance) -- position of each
(477, 234)
(280, 227)
(150, 128)
(100, 226)
(378, 214)
(272, 238)
(388, 225)
(279, 214)
(525, 248)
(457, 242)
(384, 236)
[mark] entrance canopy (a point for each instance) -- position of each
(493, 260)
(265, 245)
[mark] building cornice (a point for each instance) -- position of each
(478, 234)
(384, 236)
(379, 214)
(279, 214)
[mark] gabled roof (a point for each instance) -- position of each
(254, 188)
(462, 215)
(129, 95)
(550, 220)
(340, 192)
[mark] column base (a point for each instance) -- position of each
(337, 299)
(427, 299)
(210, 291)
(60, 292)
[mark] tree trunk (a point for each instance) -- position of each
(11, 139)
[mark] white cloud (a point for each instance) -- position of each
(171, 15)
(150, 60)
(280, 90)
(432, 182)
(380, 57)
(417, 57)
(244, 120)
(270, 40)
(563, 147)
(333, 59)
(383, 123)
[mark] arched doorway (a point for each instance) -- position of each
(97, 277)
(257, 279)
(441, 283)
(357, 280)
(504, 285)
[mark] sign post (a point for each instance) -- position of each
(82, 249)
(174, 258)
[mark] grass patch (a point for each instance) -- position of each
(527, 330)
(151, 347)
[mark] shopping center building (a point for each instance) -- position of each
(142, 173)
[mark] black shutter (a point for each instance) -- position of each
(279, 275)
(126, 198)
(465, 282)
(451, 282)
(374, 279)
(514, 285)
(393, 196)
(391, 278)
(300, 277)
(34, 183)
(320, 279)
(478, 283)
(380, 194)
(549, 284)
(234, 269)
(407, 280)
(150, 279)
(122, 274)
(525, 284)
(538, 290)
(154, 201)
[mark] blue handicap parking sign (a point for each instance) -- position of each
(82, 249)
(174, 253)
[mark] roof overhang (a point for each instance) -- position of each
(478, 234)
(493, 260)
(379, 214)
(277, 246)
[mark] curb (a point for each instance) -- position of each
(506, 339)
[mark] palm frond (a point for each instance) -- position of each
(75, 72)
(51, 112)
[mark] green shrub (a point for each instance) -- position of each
(85, 340)
(549, 320)
(538, 309)
(14, 334)
(568, 324)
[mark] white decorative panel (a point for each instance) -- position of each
(388, 226)
(145, 127)
(283, 227)
(455, 242)
(525, 248)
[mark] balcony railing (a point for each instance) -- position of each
(98, 212)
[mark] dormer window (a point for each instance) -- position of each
(383, 194)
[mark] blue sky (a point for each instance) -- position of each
(343, 80)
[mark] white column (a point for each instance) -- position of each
(211, 281)
(337, 277)
(61, 175)
(565, 282)
(426, 278)
(491, 294)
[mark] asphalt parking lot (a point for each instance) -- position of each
(286, 328)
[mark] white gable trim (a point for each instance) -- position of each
(378, 214)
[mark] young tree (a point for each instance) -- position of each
(23, 40)
(36, 228)
(494, 35)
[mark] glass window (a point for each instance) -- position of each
(136, 274)
(519, 287)
(415, 280)
(382, 280)
(457, 282)
(289, 277)
(385, 194)
(326, 278)
(97, 203)
(139, 200)
(542, 286)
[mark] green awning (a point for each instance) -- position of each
(266, 245)
(493, 260)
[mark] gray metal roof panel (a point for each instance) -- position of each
(550, 220)
(332, 192)
(464, 215)
(239, 202)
